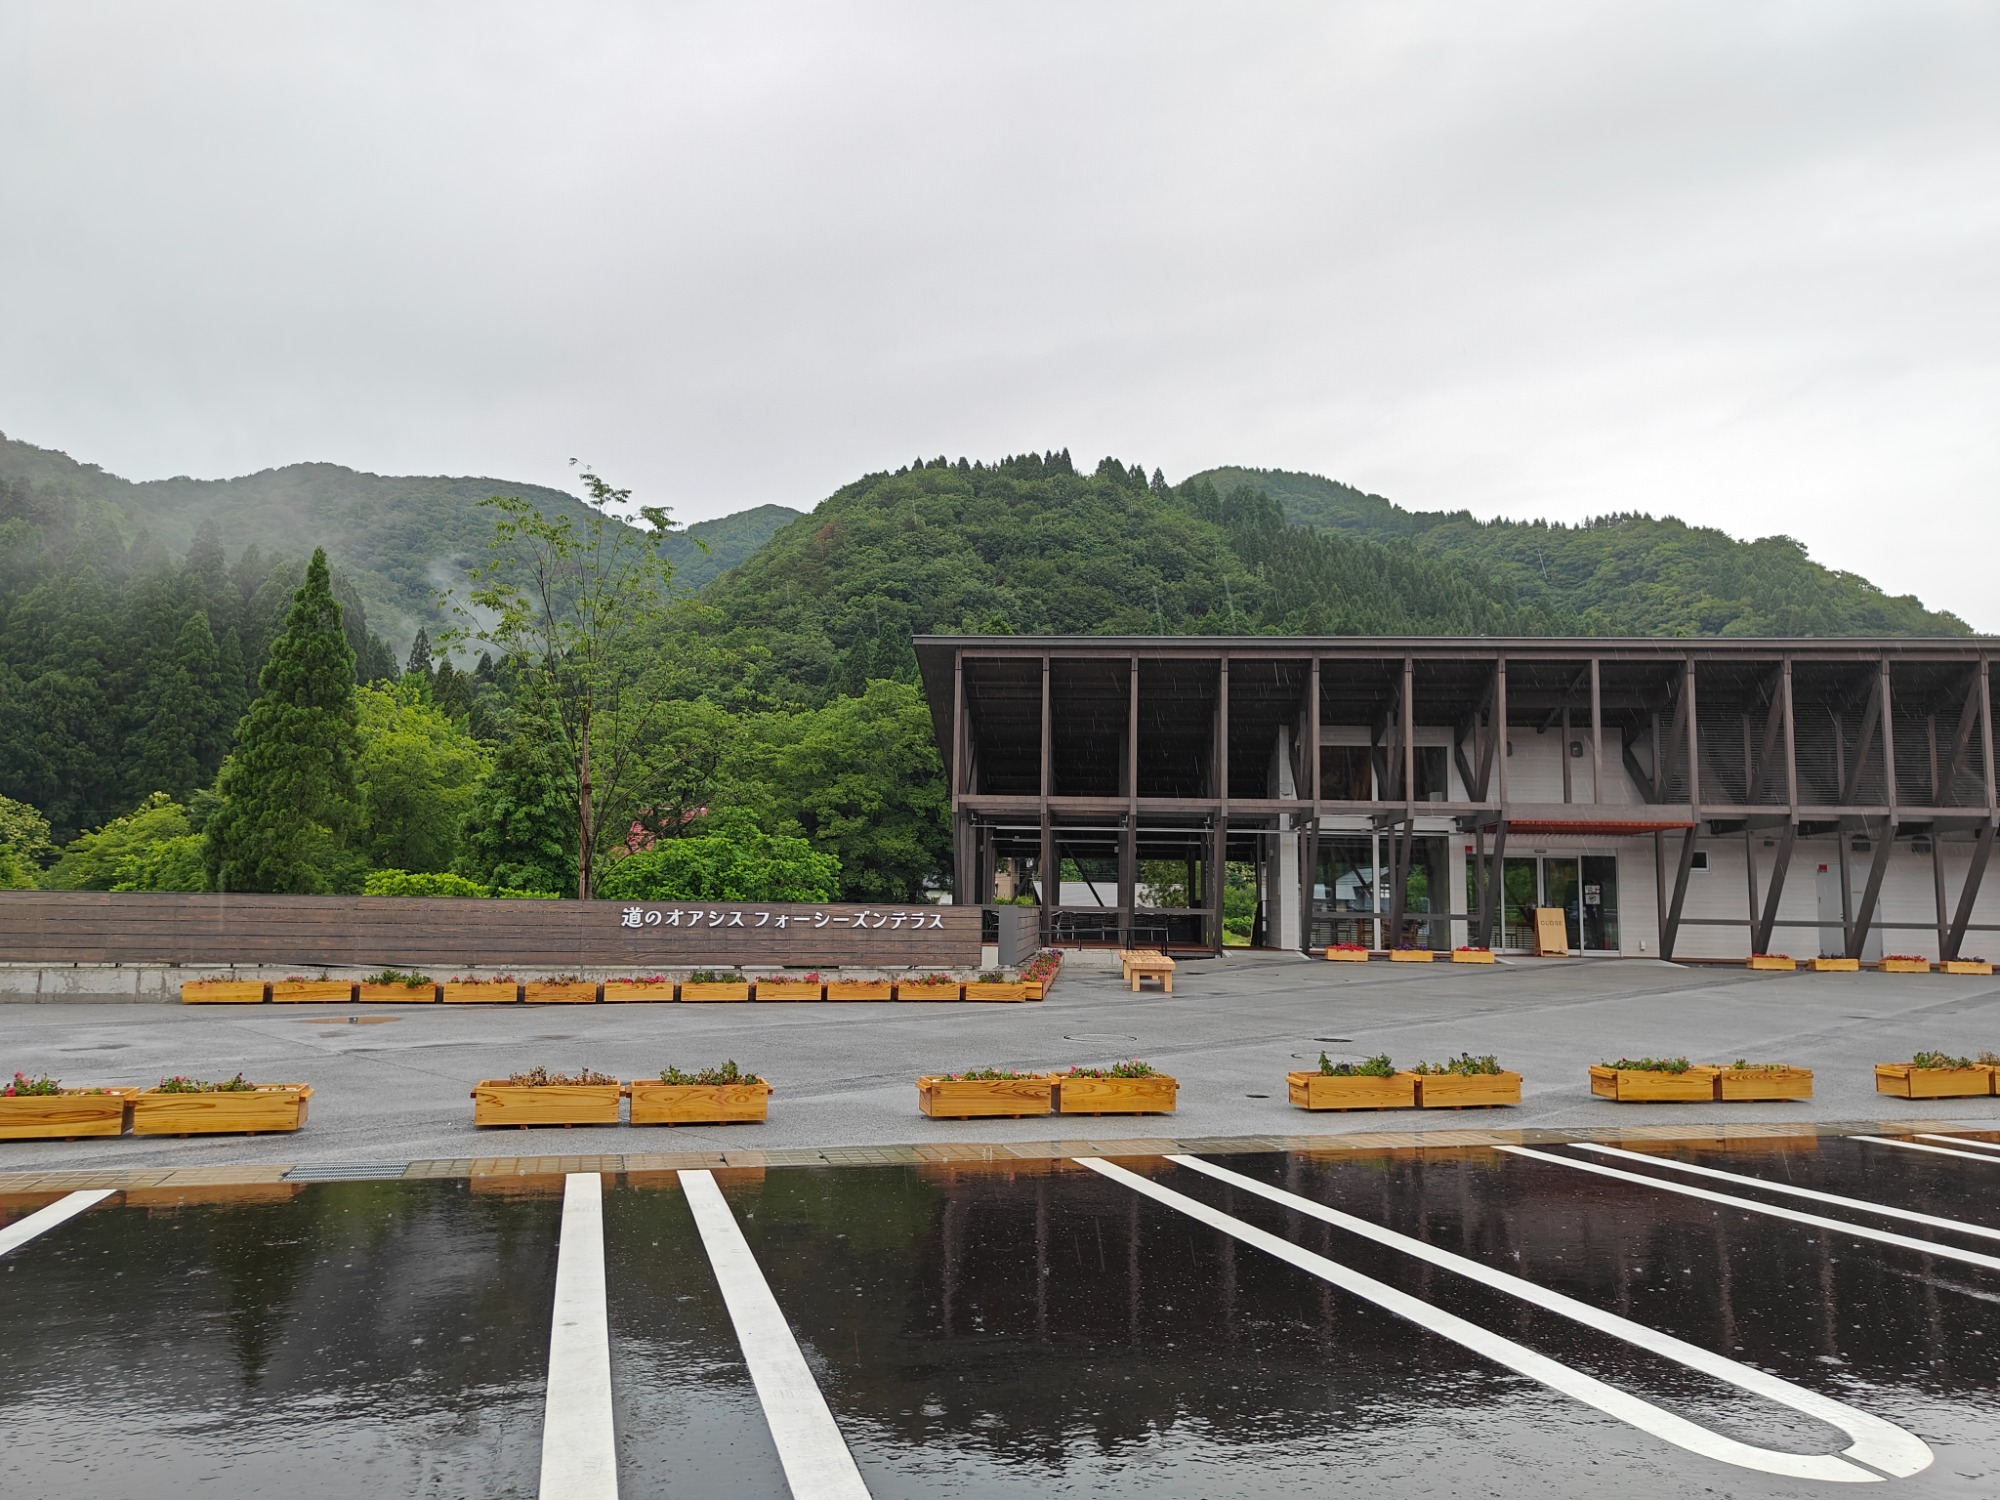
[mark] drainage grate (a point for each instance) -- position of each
(335, 1171)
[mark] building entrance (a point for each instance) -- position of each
(1585, 886)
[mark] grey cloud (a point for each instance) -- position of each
(1727, 261)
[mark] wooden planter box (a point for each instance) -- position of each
(618, 991)
(930, 992)
(482, 992)
(556, 992)
(1773, 961)
(398, 994)
(717, 989)
(1324, 1091)
(1836, 965)
(1966, 966)
(955, 1099)
(1907, 1082)
(1740, 1085)
(498, 1102)
(1411, 955)
(317, 991)
(1347, 955)
(1643, 1086)
(1116, 1096)
(268, 1106)
(860, 989)
(978, 990)
(65, 1116)
(1904, 966)
(1463, 1091)
(1472, 955)
(789, 989)
(222, 992)
(656, 1103)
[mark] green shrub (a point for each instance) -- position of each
(744, 866)
(1377, 1066)
(727, 1073)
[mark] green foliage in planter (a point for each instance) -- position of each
(24, 1085)
(715, 976)
(1131, 1069)
(541, 1078)
(1940, 1060)
(1465, 1065)
(397, 976)
(181, 1084)
(1649, 1065)
(1377, 1066)
(727, 1073)
(986, 1075)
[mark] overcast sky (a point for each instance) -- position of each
(1732, 261)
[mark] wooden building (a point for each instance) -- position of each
(1690, 798)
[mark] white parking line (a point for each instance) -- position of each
(1839, 1226)
(1956, 1140)
(1878, 1443)
(1957, 1226)
(1883, 1140)
(818, 1465)
(579, 1442)
(43, 1220)
(1588, 1389)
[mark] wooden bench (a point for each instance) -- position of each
(1126, 955)
(1141, 967)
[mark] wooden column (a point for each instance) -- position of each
(1596, 733)
(1049, 862)
(1128, 841)
(1219, 857)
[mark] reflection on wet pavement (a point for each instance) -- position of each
(1032, 1329)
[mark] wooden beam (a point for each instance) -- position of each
(1671, 929)
(1760, 937)
(1499, 728)
(1693, 734)
(1961, 743)
(1982, 854)
(1409, 730)
(1596, 734)
(1878, 867)
(1864, 742)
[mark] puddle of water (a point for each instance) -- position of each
(351, 1338)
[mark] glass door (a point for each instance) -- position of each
(1562, 885)
(1520, 891)
(1600, 903)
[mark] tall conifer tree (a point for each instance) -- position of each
(288, 795)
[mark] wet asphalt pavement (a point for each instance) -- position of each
(1038, 1329)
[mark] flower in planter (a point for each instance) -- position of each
(929, 981)
(1742, 1066)
(727, 1073)
(644, 979)
(542, 1078)
(1043, 965)
(1941, 1060)
(1348, 947)
(180, 1083)
(1470, 948)
(986, 1075)
(1649, 1065)
(24, 1085)
(1465, 1065)
(1904, 958)
(490, 979)
(1131, 1069)
(1377, 1066)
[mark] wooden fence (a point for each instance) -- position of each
(99, 927)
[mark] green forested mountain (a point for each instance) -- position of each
(1619, 574)
(1029, 545)
(398, 541)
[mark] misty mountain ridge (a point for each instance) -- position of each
(400, 540)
